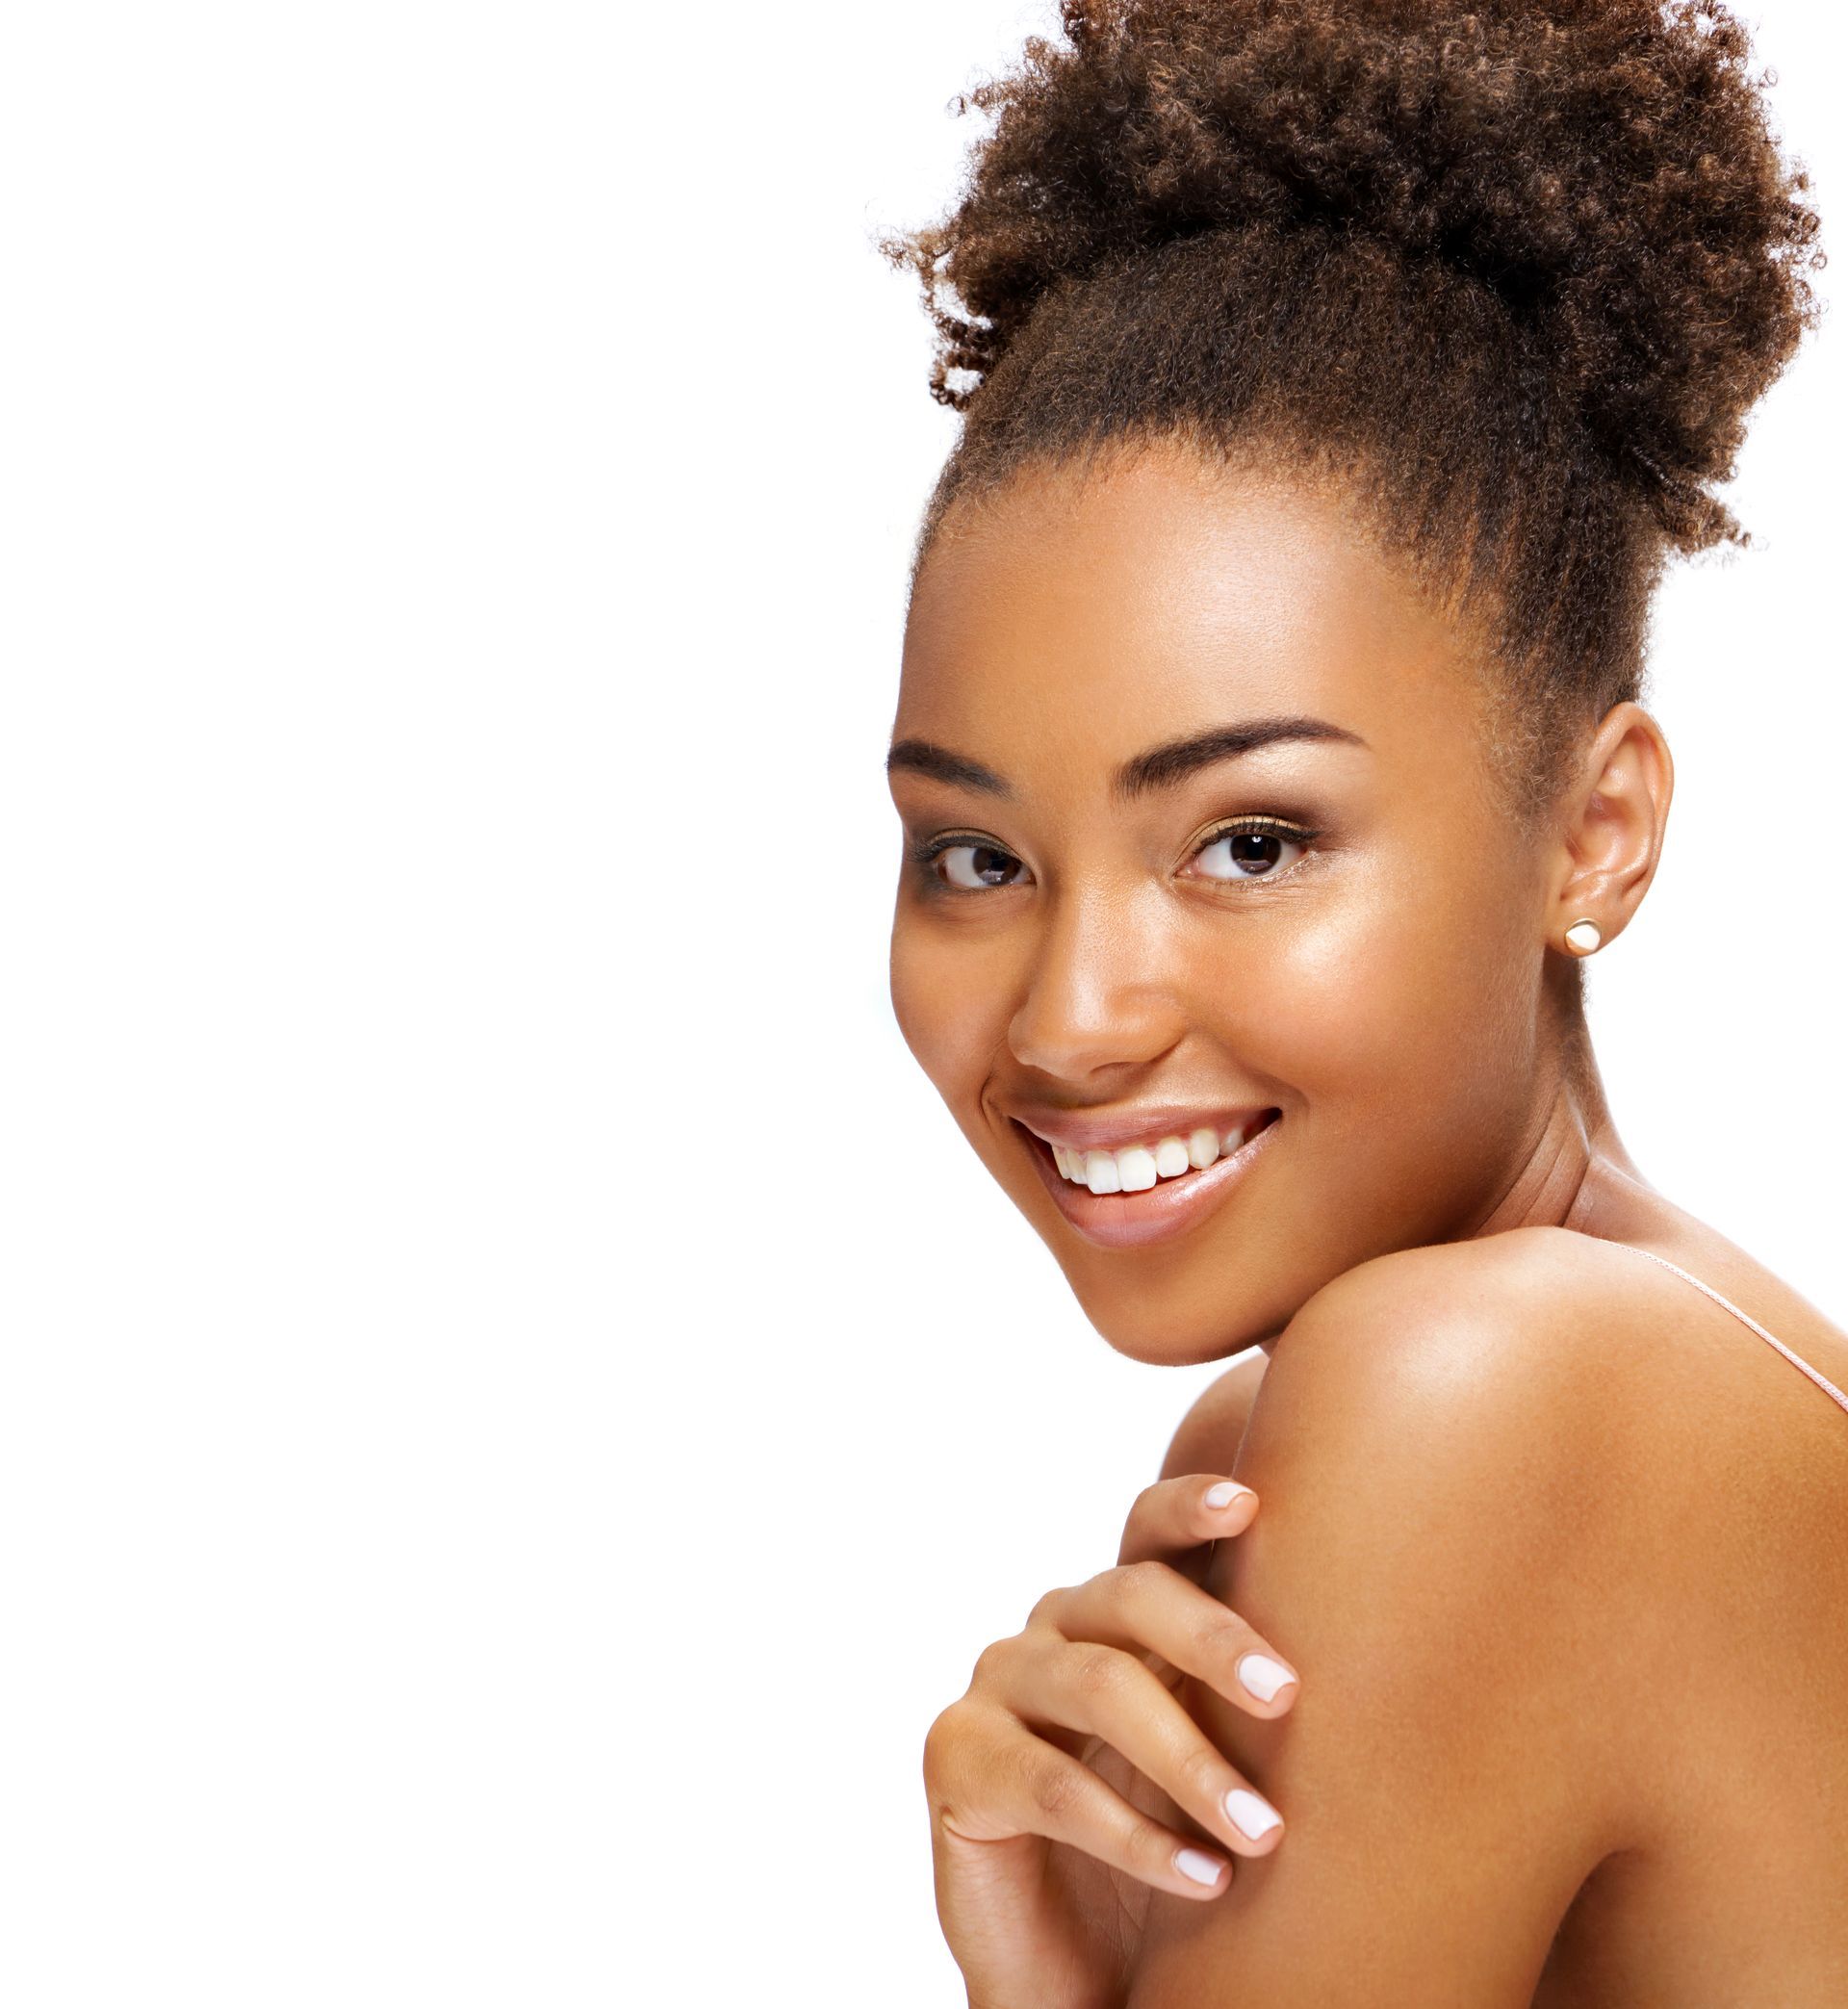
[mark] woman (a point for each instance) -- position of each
(1335, 380)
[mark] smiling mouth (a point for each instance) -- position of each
(1146, 1211)
(1138, 1167)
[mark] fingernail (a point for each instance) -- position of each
(1263, 1675)
(1253, 1817)
(1225, 1492)
(1197, 1864)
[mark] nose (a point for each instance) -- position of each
(1098, 991)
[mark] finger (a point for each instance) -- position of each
(989, 1778)
(1142, 1605)
(1175, 1515)
(1112, 1694)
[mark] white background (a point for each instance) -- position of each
(519, 1406)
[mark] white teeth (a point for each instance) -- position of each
(1138, 1166)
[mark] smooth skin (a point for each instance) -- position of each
(1550, 1542)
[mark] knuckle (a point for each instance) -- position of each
(967, 1754)
(1045, 1606)
(1203, 1772)
(946, 1730)
(1226, 1636)
(1147, 1504)
(1147, 1844)
(1155, 1577)
(991, 1663)
(1054, 1785)
(1131, 1583)
(1099, 1670)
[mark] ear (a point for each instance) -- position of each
(1614, 817)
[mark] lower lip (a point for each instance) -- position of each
(1165, 1209)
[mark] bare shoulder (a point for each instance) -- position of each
(1572, 1397)
(1443, 1547)
(1527, 1530)
(1511, 1331)
(1530, 1281)
(1580, 1451)
(1629, 1377)
(1466, 1467)
(1505, 1342)
(1546, 1326)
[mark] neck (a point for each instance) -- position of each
(1575, 1172)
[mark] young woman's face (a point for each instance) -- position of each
(1125, 933)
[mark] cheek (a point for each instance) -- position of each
(1392, 992)
(943, 1011)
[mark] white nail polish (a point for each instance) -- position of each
(1263, 1675)
(1253, 1817)
(1203, 1869)
(1224, 1493)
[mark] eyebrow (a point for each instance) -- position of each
(1163, 766)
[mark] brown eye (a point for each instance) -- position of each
(1255, 850)
(988, 867)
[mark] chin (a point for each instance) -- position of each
(1158, 1331)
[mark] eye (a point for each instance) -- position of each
(977, 867)
(1250, 848)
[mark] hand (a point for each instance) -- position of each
(1049, 1780)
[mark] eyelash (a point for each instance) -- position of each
(925, 855)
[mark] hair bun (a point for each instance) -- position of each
(1604, 167)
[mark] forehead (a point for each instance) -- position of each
(1079, 615)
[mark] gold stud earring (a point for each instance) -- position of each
(1584, 936)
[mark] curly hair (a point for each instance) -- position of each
(1512, 271)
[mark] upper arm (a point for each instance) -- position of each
(1429, 1555)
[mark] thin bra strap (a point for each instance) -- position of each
(1821, 1380)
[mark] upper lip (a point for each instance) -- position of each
(1111, 1130)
